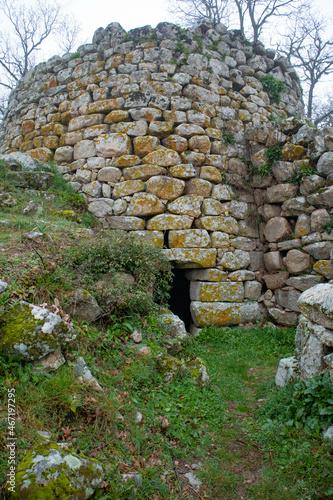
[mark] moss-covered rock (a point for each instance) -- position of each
(52, 471)
(32, 332)
(169, 367)
(198, 371)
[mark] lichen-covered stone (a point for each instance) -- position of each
(112, 145)
(101, 207)
(198, 371)
(32, 332)
(154, 238)
(170, 367)
(213, 274)
(189, 258)
(325, 268)
(189, 238)
(169, 221)
(217, 292)
(224, 313)
(186, 205)
(235, 260)
(316, 304)
(125, 222)
(127, 188)
(166, 188)
(142, 172)
(145, 204)
(52, 471)
(218, 223)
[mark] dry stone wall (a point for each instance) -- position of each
(165, 131)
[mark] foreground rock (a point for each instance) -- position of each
(314, 337)
(53, 471)
(31, 332)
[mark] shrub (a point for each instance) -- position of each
(273, 87)
(307, 403)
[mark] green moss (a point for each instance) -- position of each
(21, 332)
(59, 481)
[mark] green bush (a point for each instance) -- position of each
(273, 87)
(307, 403)
(139, 275)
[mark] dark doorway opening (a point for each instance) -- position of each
(180, 297)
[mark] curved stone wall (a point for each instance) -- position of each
(164, 130)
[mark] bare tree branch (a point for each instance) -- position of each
(308, 51)
(27, 29)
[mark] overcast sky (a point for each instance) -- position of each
(133, 13)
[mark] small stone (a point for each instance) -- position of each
(136, 336)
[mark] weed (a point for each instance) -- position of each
(273, 154)
(228, 138)
(75, 55)
(303, 171)
(273, 87)
(252, 217)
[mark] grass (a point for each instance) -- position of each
(250, 439)
(226, 426)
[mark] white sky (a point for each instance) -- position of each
(133, 13)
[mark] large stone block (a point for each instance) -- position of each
(154, 238)
(224, 313)
(166, 188)
(298, 262)
(277, 229)
(218, 223)
(145, 204)
(186, 205)
(189, 238)
(169, 221)
(112, 145)
(127, 188)
(125, 222)
(217, 292)
(206, 275)
(235, 260)
(273, 261)
(192, 258)
(316, 304)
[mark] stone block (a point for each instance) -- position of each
(189, 238)
(217, 292)
(166, 188)
(235, 260)
(316, 304)
(273, 261)
(145, 204)
(277, 229)
(206, 275)
(218, 223)
(125, 222)
(298, 262)
(127, 188)
(192, 258)
(224, 313)
(167, 221)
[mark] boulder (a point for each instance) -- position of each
(52, 470)
(31, 332)
(287, 370)
(316, 304)
(84, 306)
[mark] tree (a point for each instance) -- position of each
(308, 50)
(253, 16)
(323, 111)
(29, 27)
(192, 11)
